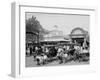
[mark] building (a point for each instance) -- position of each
(79, 35)
(54, 37)
(54, 33)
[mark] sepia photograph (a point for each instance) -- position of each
(54, 39)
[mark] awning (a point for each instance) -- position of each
(54, 40)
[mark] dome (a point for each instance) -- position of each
(77, 31)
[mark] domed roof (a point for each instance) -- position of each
(78, 30)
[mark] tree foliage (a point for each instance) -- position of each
(34, 26)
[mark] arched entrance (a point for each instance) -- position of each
(78, 35)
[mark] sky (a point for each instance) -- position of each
(65, 22)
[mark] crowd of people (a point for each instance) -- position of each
(63, 53)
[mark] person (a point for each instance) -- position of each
(36, 50)
(47, 50)
(31, 50)
(51, 52)
(60, 49)
(72, 50)
(39, 50)
(64, 47)
(60, 53)
(43, 49)
(28, 51)
(55, 51)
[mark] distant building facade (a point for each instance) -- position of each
(54, 37)
(79, 35)
(54, 33)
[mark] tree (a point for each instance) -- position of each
(34, 26)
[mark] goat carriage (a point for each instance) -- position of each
(44, 57)
(61, 55)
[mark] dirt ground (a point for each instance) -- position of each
(31, 63)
